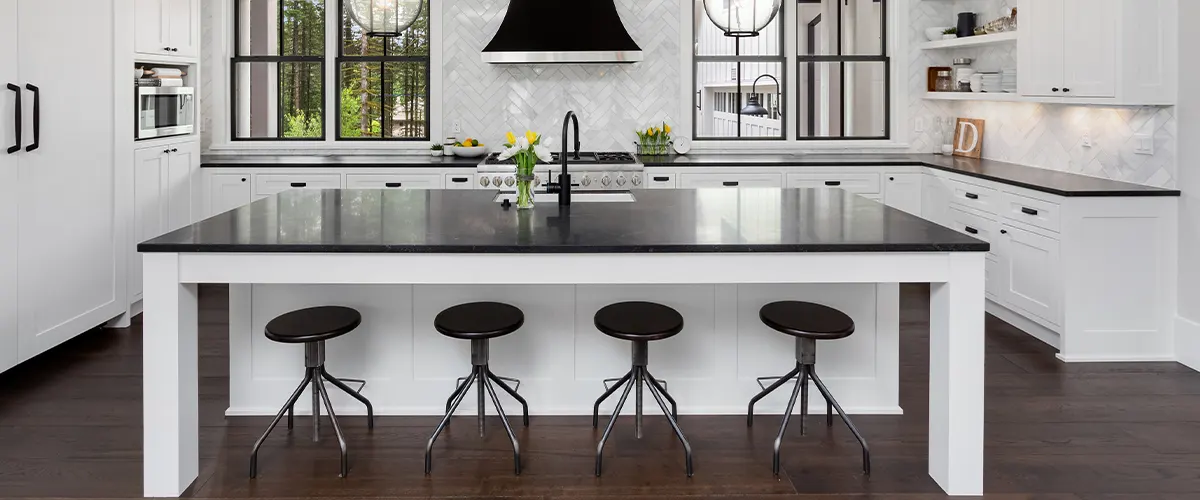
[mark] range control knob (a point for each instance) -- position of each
(605, 181)
(637, 180)
(620, 180)
(586, 180)
(509, 181)
(497, 181)
(485, 181)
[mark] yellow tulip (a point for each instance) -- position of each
(650, 131)
(512, 139)
(530, 136)
(666, 128)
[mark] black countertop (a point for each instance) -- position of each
(468, 221)
(336, 161)
(1038, 179)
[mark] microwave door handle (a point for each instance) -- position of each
(37, 117)
(17, 119)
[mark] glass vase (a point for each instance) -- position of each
(524, 192)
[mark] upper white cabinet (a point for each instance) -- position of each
(1117, 52)
(167, 27)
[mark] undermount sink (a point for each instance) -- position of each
(576, 197)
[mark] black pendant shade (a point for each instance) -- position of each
(562, 31)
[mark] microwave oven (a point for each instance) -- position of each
(165, 111)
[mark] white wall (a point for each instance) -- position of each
(1187, 332)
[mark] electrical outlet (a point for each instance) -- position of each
(1143, 144)
(1087, 139)
(457, 127)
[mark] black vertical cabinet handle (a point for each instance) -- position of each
(392, 184)
(299, 184)
(17, 119)
(37, 117)
(1028, 211)
(730, 183)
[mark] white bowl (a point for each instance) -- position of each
(470, 152)
(935, 34)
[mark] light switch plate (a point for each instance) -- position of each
(1143, 144)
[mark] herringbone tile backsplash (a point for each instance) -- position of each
(611, 100)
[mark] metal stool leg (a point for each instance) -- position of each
(340, 384)
(500, 381)
(639, 378)
(462, 393)
(611, 423)
(308, 378)
(783, 428)
(804, 401)
(337, 429)
(596, 408)
(458, 388)
(853, 430)
(782, 380)
(316, 411)
(658, 393)
(504, 420)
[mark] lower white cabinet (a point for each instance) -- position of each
(903, 191)
(164, 197)
(227, 191)
(1030, 278)
(269, 184)
(460, 181)
(656, 180)
(732, 179)
(393, 181)
(854, 182)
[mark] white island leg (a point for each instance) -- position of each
(170, 381)
(956, 348)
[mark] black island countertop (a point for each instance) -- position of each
(469, 221)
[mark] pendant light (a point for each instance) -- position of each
(741, 18)
(384, 18)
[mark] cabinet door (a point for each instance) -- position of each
(903, 191)
(150, 168)
(1090, 48)
(179, 24)
(68, 253)
(150, 32)
(854, 182)
(1029, 277)
(227, 192)
(178, 186)
(9, 186)
(1040, 48)
(733, 180)
(393, 181)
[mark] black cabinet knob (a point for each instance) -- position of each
(243, 179)
(1055, 89)
(891, 178)
(1003, 231)
(174, 49)
(166, 151)
(1066, 90)
(174, 150)
(168, 49)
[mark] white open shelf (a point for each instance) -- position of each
(971, 41)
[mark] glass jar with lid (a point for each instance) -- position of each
(944, 82)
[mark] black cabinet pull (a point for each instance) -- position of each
(730, 183)
(299, 184)
(168, 49)
(392, 184)
(972, 196)
(1003, 231)
(1028, 211)
(971, 230)
(174, 150)
(167, 151)
(833, 183)
(37, 117)
(459, 180)
(662, 179)
(174, 49)
(1055, 89)
(891, 178)
(1066, 90)
(17, 119)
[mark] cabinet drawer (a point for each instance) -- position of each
(393, 181)
(974, 226)
(861, 183)
(460, 181)
(1032, 211)
(977, 197)
(660, 181)
(269, 184)
(731, 180)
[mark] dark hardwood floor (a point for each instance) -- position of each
(70, 426)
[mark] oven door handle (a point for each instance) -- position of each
(37, 117)
(17, 119)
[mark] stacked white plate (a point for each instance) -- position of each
(992, 82)
(1008, 80)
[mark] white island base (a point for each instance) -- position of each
(559, 356)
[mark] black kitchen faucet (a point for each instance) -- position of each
(563, 186)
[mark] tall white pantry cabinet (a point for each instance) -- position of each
(64, 111)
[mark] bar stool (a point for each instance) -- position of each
(639, 323)
(312, 327)
(480, 322)
(809, 323)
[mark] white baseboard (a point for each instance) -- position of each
(1035, 330)
(1114, 359)
(817, 407)
(1187, 342)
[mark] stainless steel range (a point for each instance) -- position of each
(589, 172)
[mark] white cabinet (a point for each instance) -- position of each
(59, 246)
(393, 181)
(227, 191)
(164, 197)
(660, 180)
(731, 179)
(1117, 52)
(1029, 273)
(854, 182)
(269, 184)
(167, 27)
(903, 191)
(460, 181)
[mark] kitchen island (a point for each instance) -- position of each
(716, 255)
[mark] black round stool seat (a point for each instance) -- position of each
(479, 320)
(807, 320)
(639, 321)
(313, 324)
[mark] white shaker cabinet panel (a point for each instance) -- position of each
(903, 191)
(9, 186)
(1030, 270)
(1089, 48)
(150, 31)
(182, 200)
(1040, 48)
(228, 191)
(180, 24)
(150, 173)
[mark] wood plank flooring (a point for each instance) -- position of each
(70, 426)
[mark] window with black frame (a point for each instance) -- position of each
(278, 70)
(727, 71)
(842, 70)
(383, 83)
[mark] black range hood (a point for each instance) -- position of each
(562, 32)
